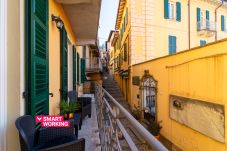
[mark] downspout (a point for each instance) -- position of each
(216, 32)
(189, 23)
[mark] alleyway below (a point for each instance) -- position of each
(112, 87)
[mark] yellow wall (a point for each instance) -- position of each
(13, 74)
(54, 53)
(199, 74)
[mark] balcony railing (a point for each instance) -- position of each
(111, 127)
(207, 25)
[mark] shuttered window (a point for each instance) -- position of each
(64, 64)
(74, 68)
(172, 44)
(178, 9)
(126, 16)
(125, 52)
(202, 42)
(198, 19)
(223, 23)
(83, 70)
(78, 68)
(207, 19)
(166, 9)
(37, 69)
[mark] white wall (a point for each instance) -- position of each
(3, 76)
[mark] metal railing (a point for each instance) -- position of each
(206, 25)
(111, 128)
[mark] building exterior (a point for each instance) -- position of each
(147, 29)
(110, 50)
(187, 93)
(39, 60)
(169, 48)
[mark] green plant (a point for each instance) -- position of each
(154, 127)
(136, 113)
(64, 109)
(74, 106)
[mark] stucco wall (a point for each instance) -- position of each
(13, 73)
(54, 54)
(198, 74)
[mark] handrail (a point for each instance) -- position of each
(145, 134)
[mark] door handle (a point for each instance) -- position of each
(51, 94)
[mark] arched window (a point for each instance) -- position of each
(148, 93)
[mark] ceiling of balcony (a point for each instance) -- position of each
(84, 18)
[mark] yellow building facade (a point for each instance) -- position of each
(153, 35)
(198, 74)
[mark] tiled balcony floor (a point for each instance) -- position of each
(89, 129)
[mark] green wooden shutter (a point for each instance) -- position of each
(74, 68)
(172, 44)
(178, 6)
(198, 19)
(78, 68)
(174, 49)
(37, 69)
(83, 70)
(125, 52)
(126, 17)
(207, 19)
(222, 23)
(64, 64)
(166, 9)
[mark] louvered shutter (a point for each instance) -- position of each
(198, 19)
(64, 65)
(178, 6)
(83, 70)
(207, 19)
(166, 9)
(78, 68)
(74, 68)
(222, 23)
(37, 69)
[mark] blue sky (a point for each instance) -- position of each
(107, 19)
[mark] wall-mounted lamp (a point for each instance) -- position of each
(58, 21)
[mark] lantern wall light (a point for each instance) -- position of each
(58, 21)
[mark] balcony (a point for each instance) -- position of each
(207, 28)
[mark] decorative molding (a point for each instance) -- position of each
(3, 73)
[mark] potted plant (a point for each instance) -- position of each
(64, 108)
(74, 107)
(155, 128)
(136, 113)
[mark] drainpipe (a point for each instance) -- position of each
(189, 23)
(216, 32)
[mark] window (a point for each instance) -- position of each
(172, 44)
(223, 23)
(202, 18)
(125, 52)
(202, 42)
(171, 10)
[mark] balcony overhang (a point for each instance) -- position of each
(120, 13)
(83, 16)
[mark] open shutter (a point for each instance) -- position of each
(74, 68)
(174, 49)
(37, 69)
(78, 67)
(178, 6)
(170, 44)
(64, 65)
(125, 52)
(166, 9)
(222, 23)
(207, 19)
(83, 70)
(198, 19)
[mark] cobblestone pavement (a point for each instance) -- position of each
(112, 87)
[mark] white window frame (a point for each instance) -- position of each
(172, 8)
(202, 18)
(225, 20)
(3, 73)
